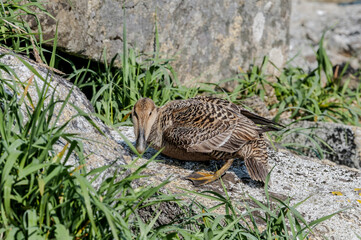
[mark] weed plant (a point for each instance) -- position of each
(114, 92)
(303, 95)
(306, 97)
(248, 84)
(16, 34)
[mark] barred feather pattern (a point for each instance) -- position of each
(267, 125)
(255, 157)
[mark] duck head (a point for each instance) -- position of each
(144, 114)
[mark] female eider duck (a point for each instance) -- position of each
(201, 129)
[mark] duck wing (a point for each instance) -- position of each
(199, 126)
(266, 124)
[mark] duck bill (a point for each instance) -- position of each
(141, 143)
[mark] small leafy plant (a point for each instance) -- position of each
(305, 96)
(16, 34)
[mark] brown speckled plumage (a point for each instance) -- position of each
(204, 128)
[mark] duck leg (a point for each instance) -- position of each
(199, 178)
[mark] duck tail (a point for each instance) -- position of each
(267, 124)
(270, 128)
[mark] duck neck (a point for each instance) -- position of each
(155, 136)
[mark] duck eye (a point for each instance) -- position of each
(150, 113)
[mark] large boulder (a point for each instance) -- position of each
(210, 40)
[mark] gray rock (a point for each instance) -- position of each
(344, 141)
(299, 177)
(343, 39)
(210, 40)
(100, 150)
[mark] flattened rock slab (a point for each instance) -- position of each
(100, 150)
(210, 40)
(292, 176)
